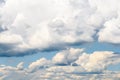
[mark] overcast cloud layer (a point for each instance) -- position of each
(78, 65)
(27, 25)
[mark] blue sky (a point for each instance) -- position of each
(54, 39)
(89, 48)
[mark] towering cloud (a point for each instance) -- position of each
(27, 25)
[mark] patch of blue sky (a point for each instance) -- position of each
(97, 46)
(89, 48)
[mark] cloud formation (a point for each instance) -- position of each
(40, 25)
(66, 57)
(86, 67)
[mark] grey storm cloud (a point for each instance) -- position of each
(40, 25)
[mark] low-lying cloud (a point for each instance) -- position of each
(84, 66)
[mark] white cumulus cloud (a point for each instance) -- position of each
(89, 67)
(40, 25)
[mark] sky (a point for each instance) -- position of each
(59, 39)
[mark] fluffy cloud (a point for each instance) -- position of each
(40, 25)
(89, 67)
(97, 61)
(39, 64)
(111, 32)
(68, 56)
